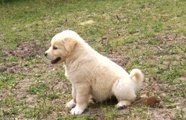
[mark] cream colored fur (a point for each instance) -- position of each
(92, 74)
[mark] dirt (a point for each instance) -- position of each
(4, 93)
(119, 59)
(52, 116)
(20, 90)
(155, 87)
(170, 37)
(14, 67)
(162, 114)
(25, 50)
(61, 86)
(97, 112)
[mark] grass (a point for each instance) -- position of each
(151, 34)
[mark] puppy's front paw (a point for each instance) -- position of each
(77, 111)
(71, 104)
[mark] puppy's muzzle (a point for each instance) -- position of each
(54, 61)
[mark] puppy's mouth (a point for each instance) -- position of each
(56, 60)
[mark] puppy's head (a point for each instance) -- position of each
(61, 48)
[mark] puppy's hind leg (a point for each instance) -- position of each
(124, 93)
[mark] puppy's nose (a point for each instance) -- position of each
(45, 54)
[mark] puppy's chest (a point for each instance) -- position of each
(66, 72)
(76, 74)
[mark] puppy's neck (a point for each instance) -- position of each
(81, 51)
(74, 55)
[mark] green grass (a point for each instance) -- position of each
(151, 33)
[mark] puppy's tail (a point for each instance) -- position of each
(137, 76)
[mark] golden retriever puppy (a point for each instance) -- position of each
(91, 74)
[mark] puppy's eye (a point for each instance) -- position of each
(55, 48)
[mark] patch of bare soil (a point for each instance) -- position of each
(97, 112)
(59, 86)
(162, 114)
(13, 67)
(52, 116)
(153, 87)
(119, 59)
(23, 50)
(171, 38)
(183, 78)
(4, 93)
(20, 90)
(26, 49)
(64, 88)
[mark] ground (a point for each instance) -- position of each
(145, 34)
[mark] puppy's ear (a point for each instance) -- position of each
(69, 44)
